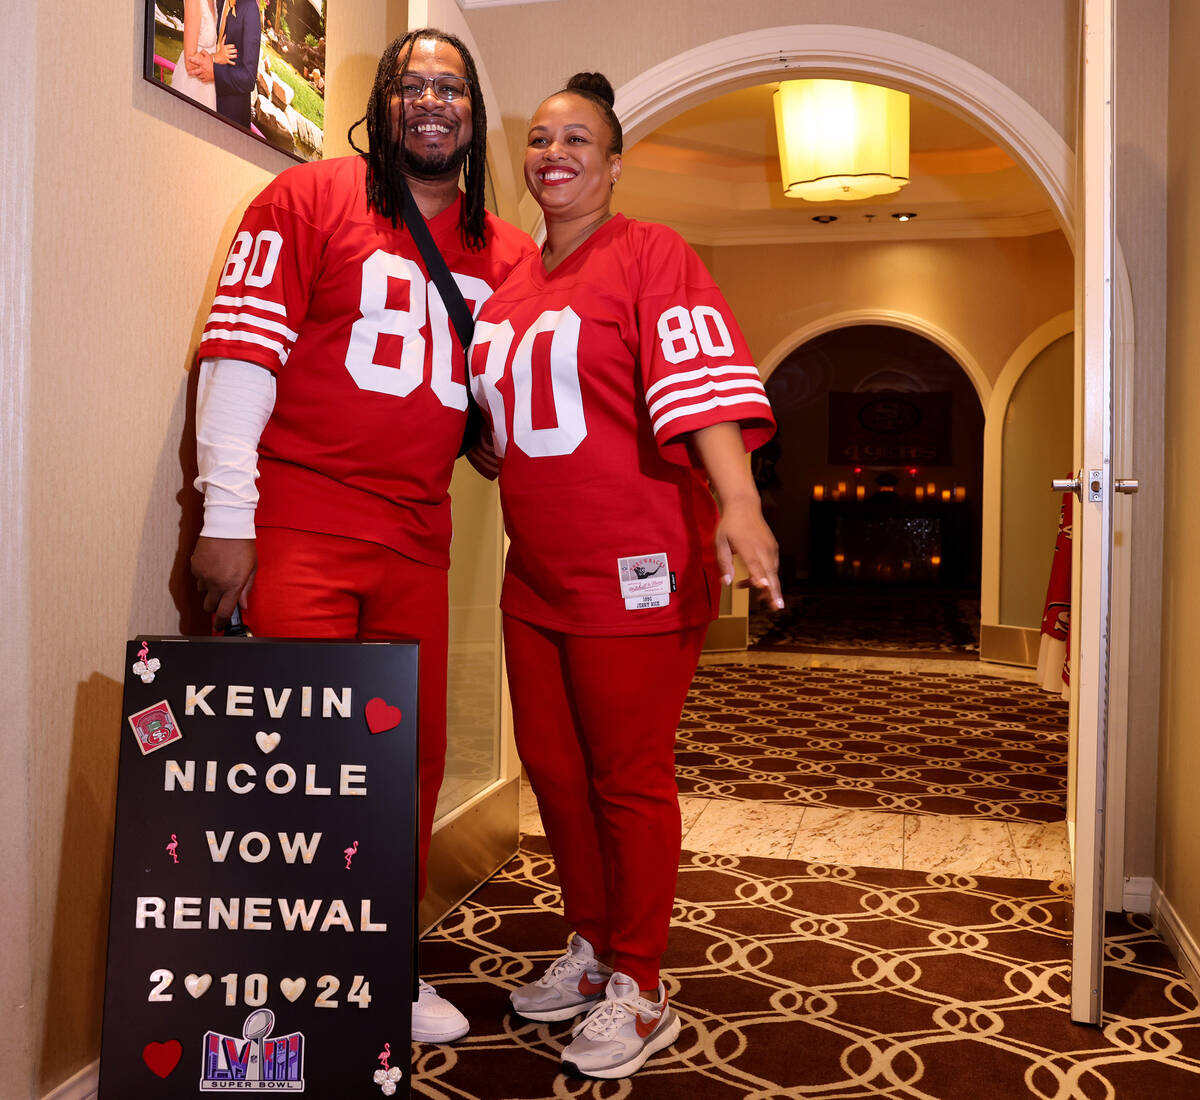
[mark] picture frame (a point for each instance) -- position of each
(259, 65)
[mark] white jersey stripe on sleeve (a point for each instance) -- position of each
(746, 384)
(698, 407)
(742, 370)
(246, 337)
(254, 303)
(254, 322)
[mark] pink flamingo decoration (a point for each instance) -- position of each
(173, 847)
(385, 1054)
(349, 853)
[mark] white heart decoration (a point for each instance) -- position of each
(268, 742)
(291, 988)
(197, 984)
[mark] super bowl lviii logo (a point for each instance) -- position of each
(256, 1061)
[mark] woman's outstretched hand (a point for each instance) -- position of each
(742, 530)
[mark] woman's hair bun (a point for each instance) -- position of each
(594, 84)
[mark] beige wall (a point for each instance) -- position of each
(135, 196)
(1178, 842)
(531, 49)
(985, 295)
(1037, 447)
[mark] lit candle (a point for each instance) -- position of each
(945, 494)
(818, 492)
(839, 558)
(931, 488)
(960, 492)
(935, 560)
(907, 566)
(860, 491)
(841, 489)
(919, 492)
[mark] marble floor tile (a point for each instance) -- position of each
(1043, 848)
(960, 845)
(690, 809)
(854, 838)
(745, 829)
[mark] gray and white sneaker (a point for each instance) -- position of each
(571, 985)
(621, 1032)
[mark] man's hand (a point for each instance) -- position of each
(223, 569)
(200, 65)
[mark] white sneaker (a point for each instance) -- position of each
(572, 984)
(621, 1031)
(435, 1019)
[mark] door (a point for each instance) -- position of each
(1094, 487)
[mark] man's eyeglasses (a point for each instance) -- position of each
(449, 89)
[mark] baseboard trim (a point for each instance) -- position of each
(83, 1086)
(1137, 896)
(1177, 937)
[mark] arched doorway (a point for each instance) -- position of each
(881, 57)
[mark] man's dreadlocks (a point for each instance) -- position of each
(386, 158)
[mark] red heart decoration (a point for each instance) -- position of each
(381, 715)
(162, 1058)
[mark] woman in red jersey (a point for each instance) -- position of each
(614, 379)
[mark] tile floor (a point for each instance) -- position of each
(866, 838)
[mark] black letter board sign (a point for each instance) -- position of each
(262, 926)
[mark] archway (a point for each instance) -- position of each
(878, 56)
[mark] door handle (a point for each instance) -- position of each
(1095, 485)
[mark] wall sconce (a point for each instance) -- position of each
(840, 140)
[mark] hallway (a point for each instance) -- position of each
(823, 951)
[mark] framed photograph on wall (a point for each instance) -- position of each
(257, 64)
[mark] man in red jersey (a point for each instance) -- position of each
(332, 397)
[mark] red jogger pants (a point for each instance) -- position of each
(310, 585)
(595, 721)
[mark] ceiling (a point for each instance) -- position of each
(713, 174)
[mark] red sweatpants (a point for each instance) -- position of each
(595, 721)
(310, 585)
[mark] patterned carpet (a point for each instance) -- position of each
(881, 621)
(799, 980)
(925, 743)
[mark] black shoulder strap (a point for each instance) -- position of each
(452, 299)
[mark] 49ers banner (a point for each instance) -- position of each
(262, 928)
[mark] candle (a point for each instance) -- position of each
(960, 492)
(860, 491)
(945, 494)
(818, 492)
(931, 488)
(839, 558)
(841, 489)
(919, 492)
(935, 560)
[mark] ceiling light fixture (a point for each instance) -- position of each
(907, 216)
(840, 140)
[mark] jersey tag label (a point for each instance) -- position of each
(644, 575)
(643, 603)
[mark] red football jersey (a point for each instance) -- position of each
(371, 397)
(592, 377)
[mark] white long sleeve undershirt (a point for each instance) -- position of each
(234, 400)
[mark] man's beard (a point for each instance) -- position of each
(435, 166)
